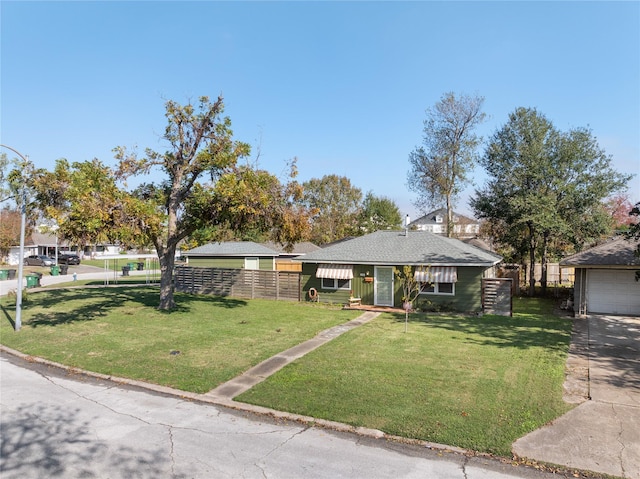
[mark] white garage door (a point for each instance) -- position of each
(613, 292)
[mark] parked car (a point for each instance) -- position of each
(68, 259)
(39, 260)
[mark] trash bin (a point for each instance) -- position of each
(55, 270)
(64, 268)
(132, 266)
(12, 273)
(125, 270)
(140, 266)
(32, 280)
(4, 274)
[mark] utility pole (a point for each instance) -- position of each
(18, 321)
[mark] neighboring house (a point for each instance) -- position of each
(605, 279)
(436, 222)
(46, 244)
(284, 261)
(38, 244)
(232, 254)
(450, 271)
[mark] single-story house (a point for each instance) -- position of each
(45, 243)
(436, 222)
(449, 270)
(605, 279)
(232, 254)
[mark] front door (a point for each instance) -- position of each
(383, 288)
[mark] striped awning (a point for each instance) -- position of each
(437, 274)
(335, 271)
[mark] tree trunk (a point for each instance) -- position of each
(532, 261)
(544, 261)
(167, 257)
(449, 218)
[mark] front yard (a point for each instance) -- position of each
(471, 382)
(477, 383)
(118, 331)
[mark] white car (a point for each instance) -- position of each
(39, 260)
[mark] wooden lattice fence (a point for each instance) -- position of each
(239, 283)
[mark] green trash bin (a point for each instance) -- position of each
(55, 270)
(4, 274)
(32, 280)
(132, 266)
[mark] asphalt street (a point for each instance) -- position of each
(60, 425)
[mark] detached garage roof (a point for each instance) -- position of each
(617, 252)
(231, 248)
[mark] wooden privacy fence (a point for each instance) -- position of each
(496, 296)
(240, 283)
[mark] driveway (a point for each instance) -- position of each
(601, 434)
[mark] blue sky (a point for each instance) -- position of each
(342, 86)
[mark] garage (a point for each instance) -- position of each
(611, 291)
(605, 280)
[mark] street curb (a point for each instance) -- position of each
(214, 400)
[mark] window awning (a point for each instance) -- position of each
(437, 274)
(335, 271)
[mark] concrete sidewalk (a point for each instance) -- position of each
(85, 273)
(236, 386)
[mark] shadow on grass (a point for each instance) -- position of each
(95, 303)
(520, 331)
(8, 316)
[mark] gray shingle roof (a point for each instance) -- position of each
(617, 252)
(396, 248)
(231, 248)
(303, 247)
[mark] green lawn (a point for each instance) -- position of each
(477, 383)
(118, 331)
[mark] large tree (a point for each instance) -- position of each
(200, 145)
(9, 213)
(439, 168)
(204, 186)
(86, 204)
(633, 234)
(334, 204)
(378, 213)
(546, 184)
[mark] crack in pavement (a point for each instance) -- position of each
(279, 446)
(171, 451)
(619, 439)
(463, 467)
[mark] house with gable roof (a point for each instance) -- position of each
(449, 270)
(436, 222)
(232, 254)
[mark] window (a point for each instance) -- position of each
(332, 283)
(251, 263)
(437, 288)
(335, 276)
